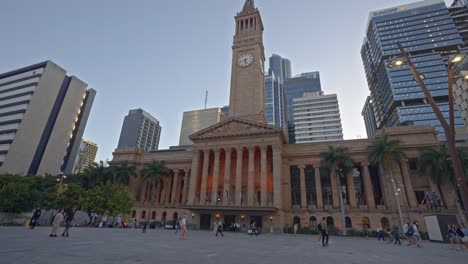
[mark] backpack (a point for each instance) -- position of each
(410, 230)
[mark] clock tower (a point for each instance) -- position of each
(247, 99)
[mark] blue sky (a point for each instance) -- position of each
(163, 55)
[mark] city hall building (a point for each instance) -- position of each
(241, 169)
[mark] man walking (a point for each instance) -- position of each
(220, 228)
(253, 229)
(324, 233)
(69, 218)
(183, 227)
(145, 223)
(396, 235)
(35, 217)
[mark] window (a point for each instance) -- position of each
(313, 221)
(413, 165)
(348, 222)
(420, 196)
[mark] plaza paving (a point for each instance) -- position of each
(90, 245)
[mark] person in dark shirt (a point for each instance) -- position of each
(69, 218)
(35, 217)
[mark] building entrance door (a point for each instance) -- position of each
(229, 221)
(205, 221)
(258, 222)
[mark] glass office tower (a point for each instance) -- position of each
(427, 32)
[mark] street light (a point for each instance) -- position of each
(60, 180)
(449, 127)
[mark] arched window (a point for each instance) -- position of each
(133, 213)
(385, 222)
(313, 221)
(330, 222)
(175, 215)
(365, 222)
(297, 220)
(143, 214)
(348, 222)
(153, 215)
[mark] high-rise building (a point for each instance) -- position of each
(275, 101)
(280, 67)
(294, 88)
(194, 121)
(140, 130)
(427, 31)
(369, 118)
(86, 156)
(317, 118)
(43, 115)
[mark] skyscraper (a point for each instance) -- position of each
(296, 87)
(369, 117)
(140, 130)
(194, 121)
(275, 101)
(86, 156)
(280, 67)
(426, 30)
(43, 117)
(317, 118)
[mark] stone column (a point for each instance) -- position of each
(303, 186)
(318, 187)
(167, 200)
(174, 187)
(239, 152)
(214, 188)
(413, 203)
(186, 187)
(251, 179)
(227, 177)
(351, 191)
(336, 192)
(368, 191)
(263, 176)
(158, 191)
(206, 159)
(277, 177)
(194, 178)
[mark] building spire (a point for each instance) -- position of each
(248, 6)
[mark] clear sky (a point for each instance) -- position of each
(162, 55)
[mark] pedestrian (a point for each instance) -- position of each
(119, 221)
(319, 229)
(380, 234)
(325, 236)
(416, 236)
(406, 231)
(58, 219)
(178, 225)
(396, 235)
(35, 217)
(366, 233)
(183, 227)
(145, 223)
(220, 228)
(253, 229)
(104, 221)
(296, 227)
(69, 218)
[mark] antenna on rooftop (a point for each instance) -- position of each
(206, 98)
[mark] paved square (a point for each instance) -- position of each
(90, 245)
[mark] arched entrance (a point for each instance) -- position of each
(313, 221)
(133, 213)
(297, 220)
(365, 222)
(330, 222)
(163, 217)
(143, 214)
(153, 215)
(348, 222)
(175, 216)
(385, 222)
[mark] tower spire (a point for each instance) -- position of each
(248, 6)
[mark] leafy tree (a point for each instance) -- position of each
(108, 198)
(384, 151)
(154, 174)
(337, 160)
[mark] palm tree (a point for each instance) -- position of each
(154, 173)
(384, 151)
(337, 160)
(122, 172)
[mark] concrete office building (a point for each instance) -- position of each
(86, 156)
(193, 121)
(317, 118)
(140, 130)
(369, 117)
(43, 115)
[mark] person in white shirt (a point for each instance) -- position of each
(416, 235)
(183, 227)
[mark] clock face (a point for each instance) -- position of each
(245, 60)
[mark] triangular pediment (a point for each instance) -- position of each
(235, 127)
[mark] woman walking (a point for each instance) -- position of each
(58, 219)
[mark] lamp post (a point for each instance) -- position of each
(449, 128)
(60, 180)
